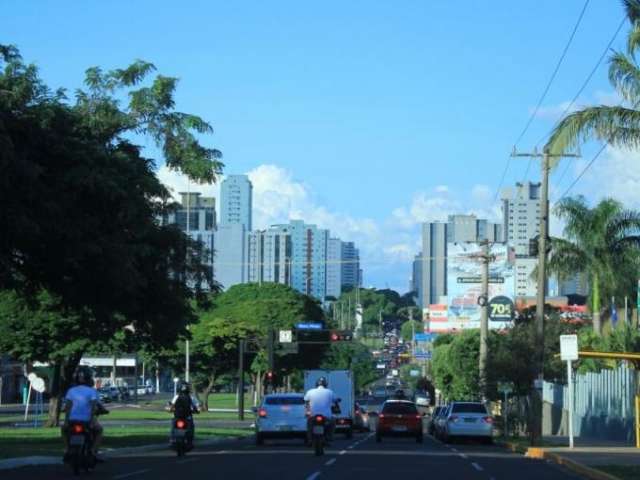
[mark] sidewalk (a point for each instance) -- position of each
(589, 456)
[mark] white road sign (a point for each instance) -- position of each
(286, 336)
(569, 347)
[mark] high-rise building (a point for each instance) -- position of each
(199, 224)
(309, 258)
(351, 275)
(270, 255)
(416, 279)
(521, 213)
(575, 285)
(469, 228)
(334, 267)
(231, 256)
(434, 261)
(236, 194)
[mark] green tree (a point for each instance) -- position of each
(618, 125)
(410, 327)
(602, 243)
(82, 256)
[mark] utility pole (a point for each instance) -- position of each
(542, 275)
(186, 345)
(241, 345)
(486, 257)
(413, 333)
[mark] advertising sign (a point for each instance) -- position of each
(464, 275)
(501, 309)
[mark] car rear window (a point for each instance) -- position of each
(469, 408)
(284, 401)
(400, 408)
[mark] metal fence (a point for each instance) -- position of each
(603, 409)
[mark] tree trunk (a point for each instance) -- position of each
(595, 294)
(206, 392)
(62, 378)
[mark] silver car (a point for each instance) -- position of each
(467, 419)
(281, 415)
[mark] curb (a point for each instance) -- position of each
(587, 472)
(12, 463)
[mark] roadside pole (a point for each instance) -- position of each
(569, 353)
(483, 301)
(241, 379)
(570, 388)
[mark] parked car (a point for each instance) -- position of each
(468, 419)
(437, 411)
(281, 415)
(399, 418)
(104, 394)
(421, 399)
(123, 393)
(361, 418)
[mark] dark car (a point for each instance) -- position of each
(399, 418)
(361, 418)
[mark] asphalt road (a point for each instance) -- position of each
(360, 457)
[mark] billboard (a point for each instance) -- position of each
(464, 277)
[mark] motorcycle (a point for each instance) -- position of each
(80, 443)
(319, 431)
(181, 437)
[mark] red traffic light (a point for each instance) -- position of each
(341, 336)
(334, 337)
(270, 376)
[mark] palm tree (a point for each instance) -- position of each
(601, 242)
(619, 125)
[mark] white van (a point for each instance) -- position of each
(341, 382)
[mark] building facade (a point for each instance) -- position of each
(415, 285)
(236, 200)
(469, 228)
(434, 261)
(334, 267)
(521, 220)
(351, 275)
(269, 253)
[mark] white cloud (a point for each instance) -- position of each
(554, 112)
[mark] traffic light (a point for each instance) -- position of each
(270, 376)
(312, 336)
(341, 336)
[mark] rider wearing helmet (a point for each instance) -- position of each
(321, 401)
(81, 404)
(183, 406)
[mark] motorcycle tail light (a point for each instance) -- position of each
(77, 428)
(319, 419)
(181, 424)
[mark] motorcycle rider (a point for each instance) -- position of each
(321, 401)
(82, 404)
(183, 406)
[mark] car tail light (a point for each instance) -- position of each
(357, 412)
(453, 419)
(319, 419)
(181, 424)
(419, 417)
(262, 413)
(488, 419)
(381, 416)
(77, 428)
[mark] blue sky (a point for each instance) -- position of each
(366, 117)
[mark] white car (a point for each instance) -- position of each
(281, 415)
(467, 419)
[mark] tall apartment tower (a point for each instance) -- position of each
(434, 261)
(309, 258)
(200, 223)
(231, 247)
(269, 253)
(236, 201)
(334, 267)
(416, 279)
(351, 275)
(469, 228)
(521, 213)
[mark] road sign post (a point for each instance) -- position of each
(569, 353)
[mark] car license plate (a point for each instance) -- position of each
(284, 428)
(76, 440)
(179, 433)
(469, 420)
(399, 428)
(318, 430)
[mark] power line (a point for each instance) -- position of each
(584, 170)
(543, 96)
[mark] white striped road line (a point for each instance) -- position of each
(330, 462)
(454, 449)
(342, 452)
(350, 447)
(462, 455)
(131, 474)
(477, 467)
(313, 476)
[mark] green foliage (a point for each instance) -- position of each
(352, 356)
(388, 303)
(406, 330)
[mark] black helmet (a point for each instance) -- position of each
(185, 388)
(83, 376)
(322, 381)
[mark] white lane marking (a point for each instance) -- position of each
(454, 449)
(350, 447)
(131, 474)
(477, 467)
(330, 462)
(313, 476)
(342, 452)
(462, 455)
